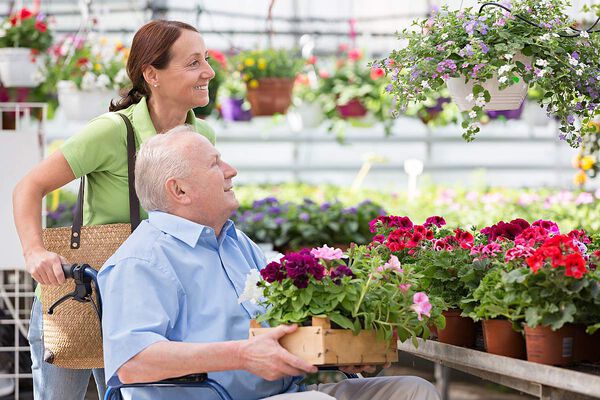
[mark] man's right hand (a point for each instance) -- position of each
(45, 267)
(262, 355)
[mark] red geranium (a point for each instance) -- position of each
(21, 15)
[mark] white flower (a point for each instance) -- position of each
(103, 81)
(480, 102)
(503, 79)
(584, 34)
(425, 85)
(579, 72)
(504, 69)
(545, 36)
(469, 98)
(88, 82)
(573, 61)
(2, 32)
(541, 63)
(508, 56)
(251, 292)
(473, 114)
(444, 36)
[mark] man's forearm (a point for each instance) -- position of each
(167, 359)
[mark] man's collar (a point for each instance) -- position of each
(185, 230)
(143, 123)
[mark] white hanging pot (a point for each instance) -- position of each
(510, 98)
(16, 67)
(83, 105)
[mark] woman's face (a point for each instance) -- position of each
(185, 79)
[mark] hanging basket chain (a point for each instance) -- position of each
(564, 35)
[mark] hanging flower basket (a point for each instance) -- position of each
(270, 96)
(17, 67)
(352, 109)
(83, 105)
(507, 114)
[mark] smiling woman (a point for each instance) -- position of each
(169, 72)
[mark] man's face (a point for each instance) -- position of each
(209, 185)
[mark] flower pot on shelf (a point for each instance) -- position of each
(309, 113)
(501, 339)
(586, 347)
(459, 331)
(352, 109)
(271, 96)
(319, 344)
(549, 347)
(83, 105)
(507, 114)
(17, 69)
(509, 98)
(232, 110)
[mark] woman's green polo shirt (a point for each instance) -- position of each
(100, 152)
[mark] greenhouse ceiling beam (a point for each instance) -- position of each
(400, 167)
(251, 32)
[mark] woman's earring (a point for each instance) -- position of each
(156, 85)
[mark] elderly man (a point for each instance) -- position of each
(170, 292)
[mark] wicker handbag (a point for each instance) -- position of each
(72, 334)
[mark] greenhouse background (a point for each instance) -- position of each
(402, 162)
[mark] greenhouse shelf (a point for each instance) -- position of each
(545, 382)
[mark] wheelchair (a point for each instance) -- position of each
(84, 276)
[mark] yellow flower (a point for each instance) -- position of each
(246, 77)
(262, 63)
(249, 62)
(595, 125)
(253, 84)
(97, 67)
(580, 178)
(587, 163)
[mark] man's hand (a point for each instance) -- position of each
(45, 267)
(357, 369)
(262, 355)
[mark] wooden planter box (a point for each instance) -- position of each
(319, 344)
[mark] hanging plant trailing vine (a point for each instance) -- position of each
(498, 42)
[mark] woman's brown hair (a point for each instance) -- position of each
(151, 46)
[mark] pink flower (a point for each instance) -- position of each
(421, 305)
(327, 253)
(393, 264)
(404, 287)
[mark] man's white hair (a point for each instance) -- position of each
(160, 158)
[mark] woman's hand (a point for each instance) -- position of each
(45, 267)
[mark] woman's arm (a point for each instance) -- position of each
(52, 173)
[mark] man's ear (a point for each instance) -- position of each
(176, 191)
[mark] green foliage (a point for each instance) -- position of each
(270, 63)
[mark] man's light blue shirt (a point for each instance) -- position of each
(173, 279)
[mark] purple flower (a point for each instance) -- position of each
(470, 26)
(349, 210)
(570, 119)
(280, 220)
(304, 216)
(435, 220)
(575, 55)
(273, 272)
(484, 48)
(325, 206)
(302, 264)
(274, 210)
(389, 88)
(258, 217)
(338, 273)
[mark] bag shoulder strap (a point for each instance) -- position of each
(134, 202)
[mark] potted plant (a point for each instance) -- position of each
(269, 76)
(24, 35)
(556, 289)
(218, 63)
(587, 161)
(369, 298)
(493, 55)
(306, 96)
(232, 99)
(352, 90)
(86, 70)
(443, 260)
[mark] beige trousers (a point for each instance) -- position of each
(382, 388)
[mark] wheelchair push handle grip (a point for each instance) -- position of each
(68, 270)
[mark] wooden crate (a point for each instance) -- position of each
(319, 344)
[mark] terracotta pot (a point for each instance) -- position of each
(501, 339)
(586, 347)
(272, 96)
(546, 346)
(433, 330)
(459, 331)
(352, 109)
